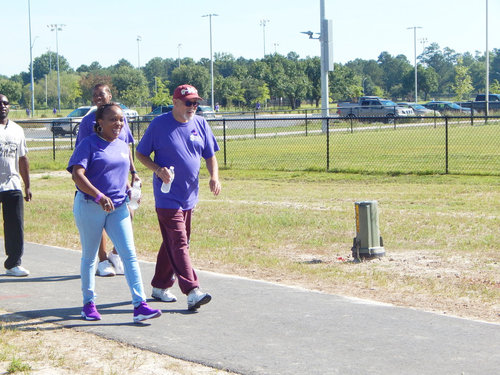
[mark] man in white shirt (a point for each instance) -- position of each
(14, 166)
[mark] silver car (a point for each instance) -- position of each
(419, 109)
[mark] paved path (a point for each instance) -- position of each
(254, 327)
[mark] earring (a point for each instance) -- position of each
(99, 128)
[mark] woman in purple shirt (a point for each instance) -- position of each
(100, 166)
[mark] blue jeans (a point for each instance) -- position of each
(91, 219)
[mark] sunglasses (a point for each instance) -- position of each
(4, 102)
(188, 103)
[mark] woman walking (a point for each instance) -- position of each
(100, 166)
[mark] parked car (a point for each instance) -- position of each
(70, 123)
(131, 114)
(160, 109)
(205, 111)
(447, 107)
(419, 109)
(373, 106)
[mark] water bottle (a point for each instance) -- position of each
(165, 188)
(135, 194)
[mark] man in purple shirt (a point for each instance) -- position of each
(179, 139)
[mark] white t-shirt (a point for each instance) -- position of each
(12, 147)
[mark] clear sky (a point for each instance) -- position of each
(107, 30)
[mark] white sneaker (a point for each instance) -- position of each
(17, 271)
(117, 263)
(105, 268)
(163, 295)
(196, 298)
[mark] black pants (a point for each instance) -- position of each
(13, 226)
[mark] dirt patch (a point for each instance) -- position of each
(48, 349)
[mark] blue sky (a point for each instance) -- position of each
(107, 30)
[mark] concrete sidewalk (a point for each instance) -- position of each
(254, 327)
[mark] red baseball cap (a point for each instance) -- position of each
(186, 92)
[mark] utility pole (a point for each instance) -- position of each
(415, 57)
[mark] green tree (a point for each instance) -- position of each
(312, 68)
(463, 82)
(228, 91)
(162, 95)
(195, 75)
(130, 84)
(11, 89)
(47, 62)
(344, 84)
(394, 69)
(443, 62)
(255, 91)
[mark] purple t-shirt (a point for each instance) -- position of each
(180, 145)
(106, 166)
(86, 128)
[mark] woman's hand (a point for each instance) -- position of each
(106, 204)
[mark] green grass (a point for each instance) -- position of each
(421, 150)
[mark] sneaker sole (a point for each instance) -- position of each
(140, 318)
(163, 300)
(88, 317)
(202, 301)
(108, 275)
(17, 275)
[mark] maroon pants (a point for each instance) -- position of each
(173, 258)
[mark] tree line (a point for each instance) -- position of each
(241, 82)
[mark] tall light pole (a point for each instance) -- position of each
(211, 56)
(179, 53)
(487, 93)
(57, 27)
(139, 38)
(32, 83)
(415, 55)
(263, 23)
(276, 47)
(326, 61)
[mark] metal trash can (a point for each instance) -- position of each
(368, 242)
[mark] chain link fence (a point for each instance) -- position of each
(420, 145)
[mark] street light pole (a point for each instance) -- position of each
(139, 38)
(179, 53)
(211, 57)
(415, 55)
(263, 23)
(57, 27)
(32, 83)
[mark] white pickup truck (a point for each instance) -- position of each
(373, 106)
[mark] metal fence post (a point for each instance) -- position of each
(327, 144)
(53, 142)
(306, 121)
(255, 125)
(224, 141)
(446, 142)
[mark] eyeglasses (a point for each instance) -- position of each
(4, 102)
(188, 103)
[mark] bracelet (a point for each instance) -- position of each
(156, 172)
(133, 172)
(97, 199)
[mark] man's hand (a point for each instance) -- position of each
(215, 186)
